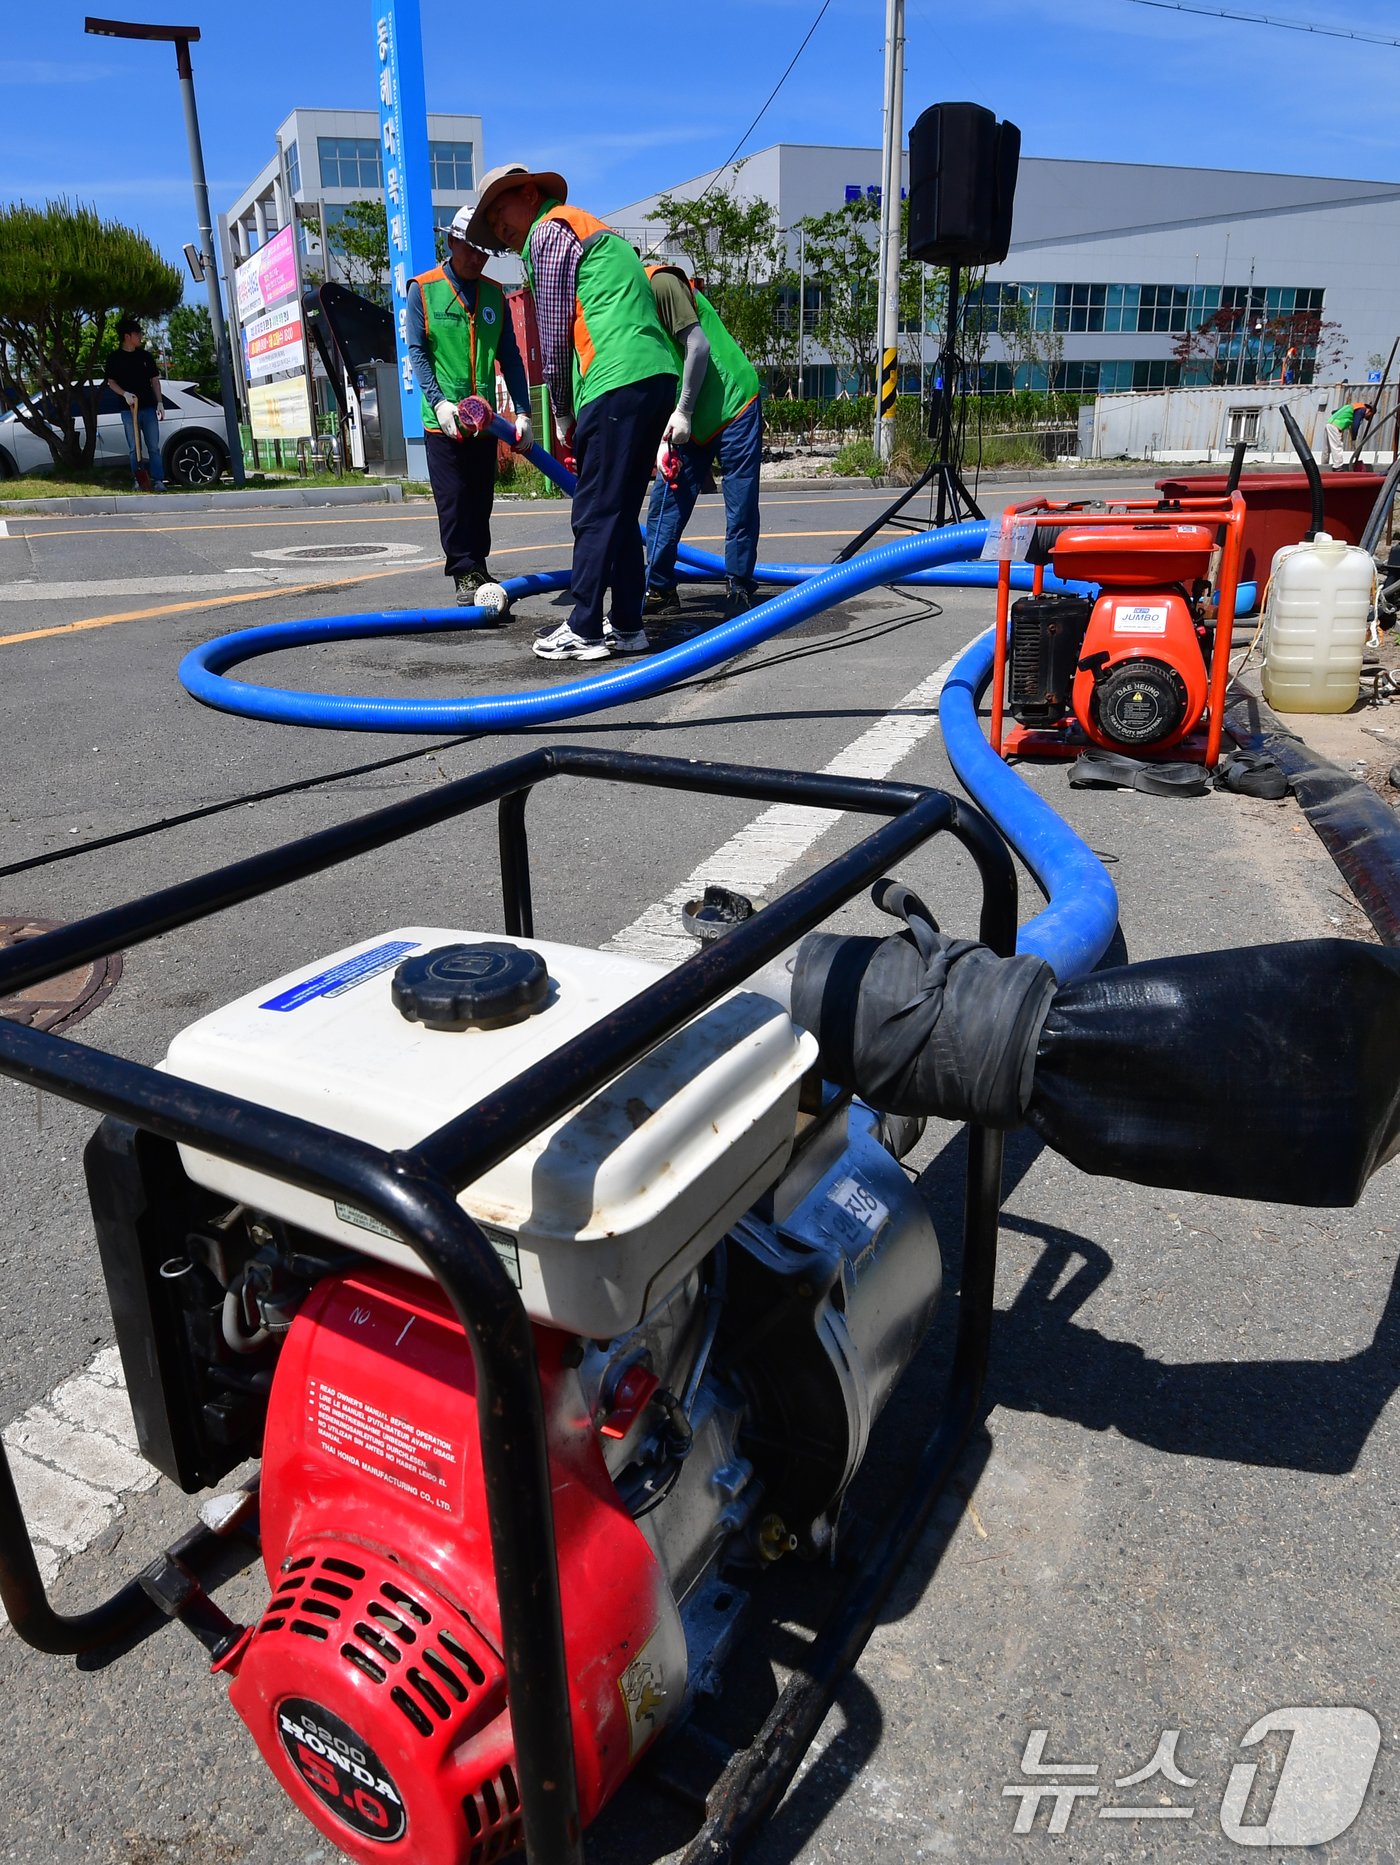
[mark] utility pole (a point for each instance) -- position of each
(887, 379)
(182, 37)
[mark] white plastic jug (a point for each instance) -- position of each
(1315, 625)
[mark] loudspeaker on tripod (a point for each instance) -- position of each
(962, 182)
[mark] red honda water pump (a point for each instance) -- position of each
(648, 1232)
(1132, 668)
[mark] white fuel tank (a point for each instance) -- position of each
(1315, 625)
(599, 1216)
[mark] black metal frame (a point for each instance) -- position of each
(415, 1193)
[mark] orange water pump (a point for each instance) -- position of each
(1135, 665)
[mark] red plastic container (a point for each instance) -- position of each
(1278, 508)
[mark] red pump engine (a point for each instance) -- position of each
(374, 1683)
(1129, 670)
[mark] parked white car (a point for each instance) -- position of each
(193, 446)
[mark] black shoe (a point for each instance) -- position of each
(738, 599)
(468, 583)
(663, 601)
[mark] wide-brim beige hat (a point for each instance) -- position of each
(499, 181)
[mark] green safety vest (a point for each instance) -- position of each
(1343, 418)
(731, 381)
(462, 344)
(617, 336)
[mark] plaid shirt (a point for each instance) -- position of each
(555, 250)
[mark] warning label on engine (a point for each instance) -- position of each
(396, 1452)
(1140, 618)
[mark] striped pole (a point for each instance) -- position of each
(889, 385)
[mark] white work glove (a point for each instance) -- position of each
(524, 434)
(448, 419)
(677, 429)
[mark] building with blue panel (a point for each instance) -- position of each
(1114, 266)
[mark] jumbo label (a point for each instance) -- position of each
(1141, 618)
(342, 1770)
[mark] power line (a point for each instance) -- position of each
(1262, 19)
(821, 13)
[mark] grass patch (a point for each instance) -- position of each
(858, 460)
(521, 480)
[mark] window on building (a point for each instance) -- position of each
(451, 163)
(350, 162)
(1243, 426)
(293, 168)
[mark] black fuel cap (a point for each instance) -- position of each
(463, 987)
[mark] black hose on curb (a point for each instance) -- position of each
(1359, 829)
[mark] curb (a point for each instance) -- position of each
(109, 505)
(1357, 827)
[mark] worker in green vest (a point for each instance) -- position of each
(458, 331)
(724, 414)
(611, 371)
(1343, 430)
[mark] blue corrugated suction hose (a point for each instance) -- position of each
(1073, 932)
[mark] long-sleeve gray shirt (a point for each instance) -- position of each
(507, 353)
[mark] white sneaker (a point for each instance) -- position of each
(617, 642)
(562, 644)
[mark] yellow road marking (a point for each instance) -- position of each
(300, 589)
(541, 507)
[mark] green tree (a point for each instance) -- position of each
(735, 249)
(65, 275)
(190, 352)
(843, 263)
(359, 241)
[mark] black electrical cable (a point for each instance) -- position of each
(821, 13)
(214, 809)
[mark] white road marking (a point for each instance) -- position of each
(754, 858)
(267, 576)
(74, 1460)
(74, 1455)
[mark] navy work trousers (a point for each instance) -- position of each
(463, 478)
(615, 443)
(740, 449)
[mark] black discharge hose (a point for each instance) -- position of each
(1305, 454)
(1266, 1073)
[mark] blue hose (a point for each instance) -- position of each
(202, 670)
(1073, 932)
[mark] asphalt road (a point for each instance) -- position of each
(1181, 1512)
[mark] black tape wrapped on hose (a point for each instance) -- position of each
(920, 1023)
(1271, 1072)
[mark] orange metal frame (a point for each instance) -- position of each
(1226, 510)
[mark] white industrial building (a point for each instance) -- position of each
(323, 160)
(1115, 262)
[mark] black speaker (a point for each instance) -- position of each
(962, 182)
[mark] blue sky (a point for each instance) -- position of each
(628, 98)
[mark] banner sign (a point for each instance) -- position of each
(268, 277)
(408, 198)
(275, 363)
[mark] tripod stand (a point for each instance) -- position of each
(954, 501)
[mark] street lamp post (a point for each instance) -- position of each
(182, 37)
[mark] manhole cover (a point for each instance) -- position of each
(57, 1002)
(362, 552)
